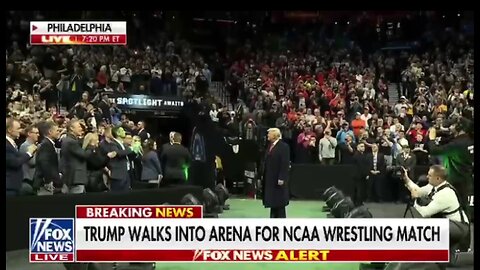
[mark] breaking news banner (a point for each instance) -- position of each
(78, 33)
(161, 234)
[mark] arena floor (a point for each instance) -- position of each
(240, 208)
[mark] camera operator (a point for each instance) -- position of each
(439, 199)
(406, 160)
(457, 156)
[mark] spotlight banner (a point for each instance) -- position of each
(180, 234)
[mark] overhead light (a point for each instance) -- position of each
(348, 22)
(458, 14)
(443, 16)
(336, 22)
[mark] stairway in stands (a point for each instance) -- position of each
(393, 94)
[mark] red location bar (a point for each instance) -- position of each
(74, 39)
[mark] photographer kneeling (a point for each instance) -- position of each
(439, 199)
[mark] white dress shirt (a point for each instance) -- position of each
(123, 148)
(444, 200)
(12, 142)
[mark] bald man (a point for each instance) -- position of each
(275, 175)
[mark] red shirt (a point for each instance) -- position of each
(413, 134)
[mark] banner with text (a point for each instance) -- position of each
(78, 33)
(147, 102)
(159, 233)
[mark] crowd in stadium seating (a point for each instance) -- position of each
(326, 98)
(344, 92)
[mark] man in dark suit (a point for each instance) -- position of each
(73, 158)
(119, 165)
(47, 173)
(376, 186)
(408, 161)
(362, 163)
(175, 159)
(142, 133)
(14, 158)
(275, 175)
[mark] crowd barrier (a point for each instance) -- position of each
(20, 209)
(309, 181)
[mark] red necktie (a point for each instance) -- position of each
(271, 147)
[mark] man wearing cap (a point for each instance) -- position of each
(342, 133)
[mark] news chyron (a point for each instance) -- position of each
(52, 240)
(78, 33)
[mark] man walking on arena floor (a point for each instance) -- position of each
(275, 175)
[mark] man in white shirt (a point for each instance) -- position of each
(438, 199)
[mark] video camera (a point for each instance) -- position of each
(397, 171)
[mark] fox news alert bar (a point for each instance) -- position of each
(161, 234)
(78, 33)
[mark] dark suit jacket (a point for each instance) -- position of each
(143, 135)
(117, 165)
(73, 161)
(151, 167)
(408, 163)
(381, 165)
(47, 169)
(14, 162)
(277, 166)
(174, 159)
(363, 164)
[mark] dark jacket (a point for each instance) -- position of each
(73, 161)
(117, 165)
(174, 158)
(13, 171)
(47, 169)
(362, 164)
(408, 163)
(95, 170)
(151, 167)
(381, 165)
(346, 156)
(277, 166)
(457, 158)
(143, 135)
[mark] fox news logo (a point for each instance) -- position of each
(51, 240)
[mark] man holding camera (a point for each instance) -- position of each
(439, 199)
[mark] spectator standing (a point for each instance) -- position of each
(73, 159)
(29, 167)
(151, 167)
(327, 146)
(47, 173)
(14, 158)
(176, 159)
